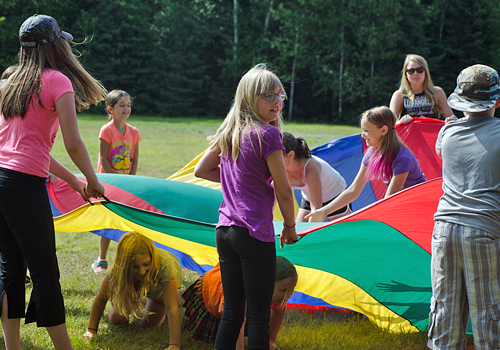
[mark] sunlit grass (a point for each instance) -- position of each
(167, 145)
(170, 143)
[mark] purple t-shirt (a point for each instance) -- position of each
(246, 185)
(405, 162)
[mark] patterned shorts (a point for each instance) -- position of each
(202, 325)
(465, 273)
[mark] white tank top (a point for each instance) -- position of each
(332, 183)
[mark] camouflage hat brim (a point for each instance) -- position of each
(477, 89)
(461, 104)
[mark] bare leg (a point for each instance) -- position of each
(155, 320)
(103, 247)
(59, 336)
(240, 343)
(115, 317)
(301, 214)
(11, 328)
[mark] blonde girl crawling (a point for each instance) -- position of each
(142, 278)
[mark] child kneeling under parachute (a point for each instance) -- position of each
(140, 272)
(204, 303)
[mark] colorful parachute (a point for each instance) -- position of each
(376, 261)
(345, 155)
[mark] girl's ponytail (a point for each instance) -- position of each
(298, 145)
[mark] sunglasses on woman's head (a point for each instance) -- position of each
(419, 70)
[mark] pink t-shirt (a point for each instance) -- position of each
(25, 144)
(121, 147)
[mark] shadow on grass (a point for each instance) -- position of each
(77, 312)
(25, 345)
(30, 344)
(84, 292)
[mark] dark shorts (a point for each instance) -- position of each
(306, 205)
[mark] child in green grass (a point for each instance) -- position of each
(118, 153)
(141, 277)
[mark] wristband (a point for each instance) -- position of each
(285, 226)
(92, 329)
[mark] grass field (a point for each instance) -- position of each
(167, 145)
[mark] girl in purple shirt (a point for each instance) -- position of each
(245, 156)
(387, 158)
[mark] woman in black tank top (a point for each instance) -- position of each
(417, 96)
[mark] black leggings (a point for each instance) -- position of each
(27, 236)
(248, 269)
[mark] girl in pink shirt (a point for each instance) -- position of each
(118, 153)
(36, 99)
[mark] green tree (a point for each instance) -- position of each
(336, 57)
(463, 33)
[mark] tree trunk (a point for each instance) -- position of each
(268, 15)
(443, 14)
(235, 40)
(341, 65)
(292, 87)
(372, 73)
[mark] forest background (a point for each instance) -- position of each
(336, 57)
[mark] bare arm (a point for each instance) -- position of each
(97, 310)
(346, 197)
(171, 301)
(61, 172)
(396, 107)
(65, 107)
(274, 326)
(103, 156)
(396, 104)
(284, 195)
(208, 166)
(443, 103)
(313, 178)
(396, 184)
(135, 161)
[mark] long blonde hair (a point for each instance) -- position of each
(405, 85)
(243, 113)
(124, 294)
(25, 82)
